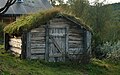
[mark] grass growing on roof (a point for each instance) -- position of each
(31, 21)
(26, 23)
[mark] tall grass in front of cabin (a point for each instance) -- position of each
(10, 65)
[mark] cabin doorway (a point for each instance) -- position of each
(57, 44)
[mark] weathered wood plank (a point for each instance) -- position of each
(74, 42)
(15, 42)
(37, 41)
(37, 45)
(38, 29)
(16, 50)
(37, 38)
(75, 38)
(37, 57)
(55, 55)
(36, 34)
(37, 50)
(75, 46)
(57, 34)
(56, 25)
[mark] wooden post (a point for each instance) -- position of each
(67, 39)
(6, 41)
(24, 44)
(47, 42)
(85, 56)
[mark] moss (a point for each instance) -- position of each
(26, 23)
(31, 21)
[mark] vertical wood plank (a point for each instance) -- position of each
(28, 45)
(47, 42)
(85, 40)
(24, 44)
(67, 46)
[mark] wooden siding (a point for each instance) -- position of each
(53, 41)
(75, 35)
(36, 43)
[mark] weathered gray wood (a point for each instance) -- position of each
(57, 47)
(28, 45)
(37, 38)
(40, 29)
(56, 55)
(24, 45)
(67, 45)
(75, 42)
(37, 57)
(75, 38)
(47, 43)
(37, 50)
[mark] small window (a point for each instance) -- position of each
(19, 1)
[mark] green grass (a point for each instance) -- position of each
(10, 65)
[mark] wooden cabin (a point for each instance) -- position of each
(49, 36)
(22, 7)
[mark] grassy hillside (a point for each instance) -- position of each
(10, 65)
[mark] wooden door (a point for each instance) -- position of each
(57, 44)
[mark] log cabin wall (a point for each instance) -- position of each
(15, 45)
(64, 37)
(36, 43)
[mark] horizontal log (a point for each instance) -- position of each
(56, 25)
(75, 49)
(38, 29)
(74, 42)
(57, 34)
(37, 50)
(37, 56)
(32, 35)
(55, 55)
(18, 40)
(37, 42)
(38, 38)
(37, 47)
(15, 43)
(75, 31)
(75, 38)
(16, 50)
(75, 46)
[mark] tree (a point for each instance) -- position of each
(6, 6)
(79, 8)
(54, 2)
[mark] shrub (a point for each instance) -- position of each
(112, 50)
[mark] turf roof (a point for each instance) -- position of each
(26, 23)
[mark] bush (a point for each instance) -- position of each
(111, 50)
(1, 30)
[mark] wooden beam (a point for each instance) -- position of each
(47, 42)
